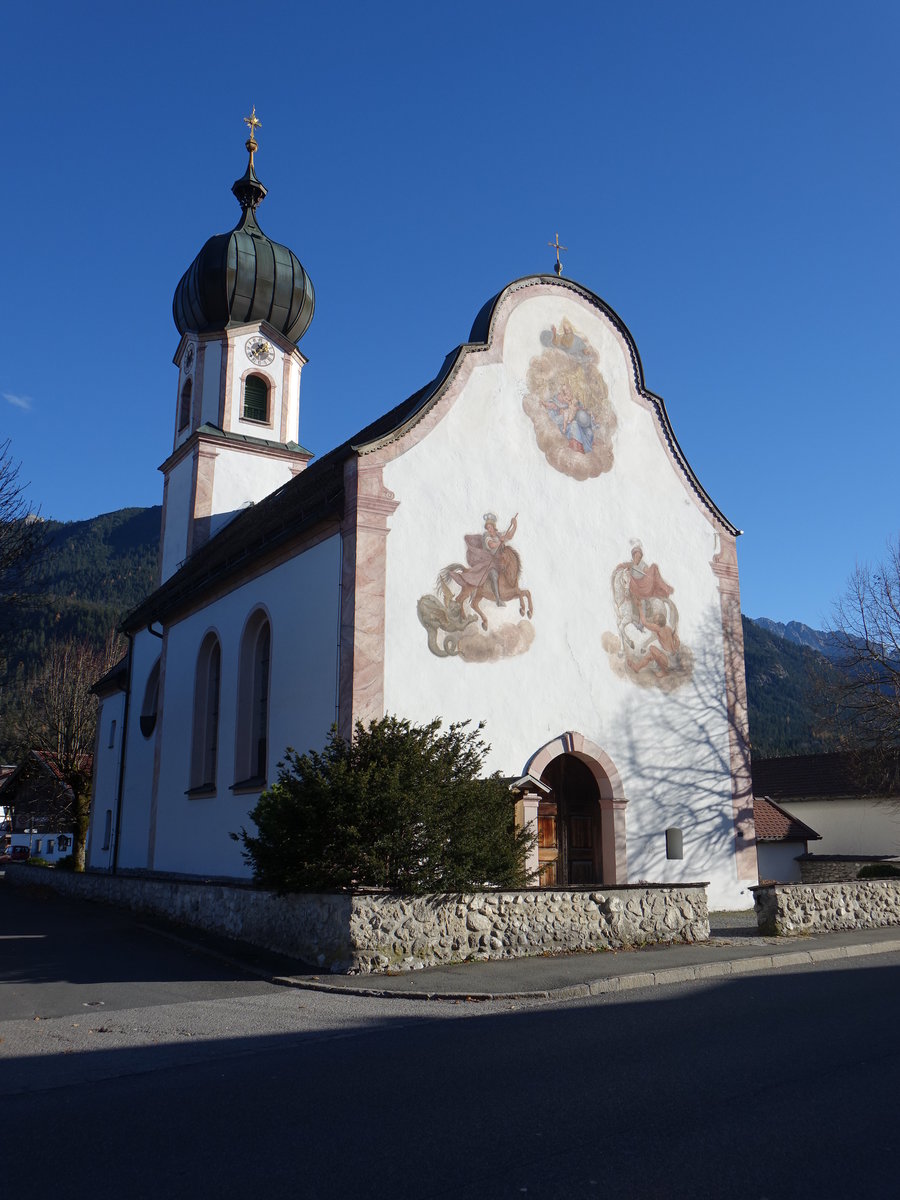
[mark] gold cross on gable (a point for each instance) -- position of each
(254, 122)
(557, 247)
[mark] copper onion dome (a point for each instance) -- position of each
(242, 277)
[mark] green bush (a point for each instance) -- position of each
(883, 870)
(400, 806)
(37, 861)
(66, 863)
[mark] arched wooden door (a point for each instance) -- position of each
(569, 848)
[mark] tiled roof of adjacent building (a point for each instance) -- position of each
(47, 763)
(84, 763)
(773, 824)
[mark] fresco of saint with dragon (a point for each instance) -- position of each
(478, 609)
(568, 402)
(646, 647)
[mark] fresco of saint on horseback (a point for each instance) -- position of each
(490, 573)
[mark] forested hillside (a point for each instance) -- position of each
(88, 576)
(783, 678)
(93, 572)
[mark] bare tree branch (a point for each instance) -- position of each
(57, 716)
(21, 534)
(865, 689)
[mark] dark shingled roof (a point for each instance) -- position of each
(115, 679)
(773, 824)
(805, 775)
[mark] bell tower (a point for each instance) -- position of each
(241, 308)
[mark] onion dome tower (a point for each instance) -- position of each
(243, 276)
(241, 307)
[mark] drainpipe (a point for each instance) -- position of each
(115, 853)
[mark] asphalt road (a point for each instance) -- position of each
(768, 1086)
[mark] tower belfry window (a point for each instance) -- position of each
(256, 399)
(184, 409)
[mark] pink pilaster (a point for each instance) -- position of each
(724, 565)
(364, 530)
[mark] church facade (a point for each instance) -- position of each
(521, 542)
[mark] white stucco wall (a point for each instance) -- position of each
(671, 748)
(106, 777)
(301, 597)
(178, 509)
(140, 752)
(778, 860)
(241, 479)
(850, 826)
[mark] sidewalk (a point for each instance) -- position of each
(568, 977)
(735, 948)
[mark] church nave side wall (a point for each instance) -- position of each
(300, 598)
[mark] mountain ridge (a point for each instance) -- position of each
(821, 640)
(93, 571)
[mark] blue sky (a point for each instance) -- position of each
(725, 176)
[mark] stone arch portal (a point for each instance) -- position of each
(580, 816)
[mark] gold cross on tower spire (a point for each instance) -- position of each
(254, 123)
(557, 247)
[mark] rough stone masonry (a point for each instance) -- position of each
(792, 908)
(405, 933)
(366, 932)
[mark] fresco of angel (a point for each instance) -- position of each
(568, 402)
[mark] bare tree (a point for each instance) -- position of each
(866, 687)
(58, 717)
(21, 535)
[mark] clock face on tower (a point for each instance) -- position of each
(188, 360)
(260, 352)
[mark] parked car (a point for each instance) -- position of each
(15, 854)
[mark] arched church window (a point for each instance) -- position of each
(150, 706)
(184, 409)
(256, 399)
(252, 740)
(205, 740)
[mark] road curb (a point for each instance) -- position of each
(617, 983)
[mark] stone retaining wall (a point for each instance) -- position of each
(835, 868)
(792, 908)
(371, 932)
(407, 932)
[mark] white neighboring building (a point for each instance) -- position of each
(781, 839)
(821, 790)
(521, 542)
